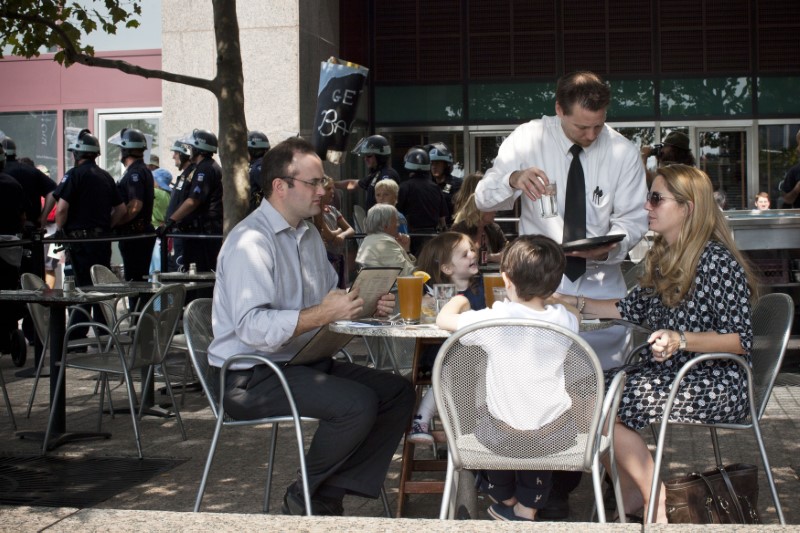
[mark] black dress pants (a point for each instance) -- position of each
(136, 255)
(83, 256)
(363, 414)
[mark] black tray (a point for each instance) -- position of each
(591, 242)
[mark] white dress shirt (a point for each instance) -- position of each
(267, 271)
(611, 164)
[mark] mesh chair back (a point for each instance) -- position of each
(102, 275)
(156, 326)
(773, 316)
(39, 313)
(199, 334)
(475, 438)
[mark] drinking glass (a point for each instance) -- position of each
(548, 202)
(443, 292)
(490, 281)
(409, 289)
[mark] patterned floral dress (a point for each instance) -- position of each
(715, 391)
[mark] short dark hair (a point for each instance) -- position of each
(584, 88)
(277, 160)
(535, 265)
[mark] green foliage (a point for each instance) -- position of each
(29, 26)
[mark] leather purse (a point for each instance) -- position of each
(726, 495)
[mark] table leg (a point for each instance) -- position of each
(58, 434)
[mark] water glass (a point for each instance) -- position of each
(548, 202)
(443, 293)
(500, 294)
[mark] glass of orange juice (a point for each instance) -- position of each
(409, 289)
(490, 281)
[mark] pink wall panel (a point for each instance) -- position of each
(41, 83)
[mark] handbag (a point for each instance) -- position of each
(724, 495)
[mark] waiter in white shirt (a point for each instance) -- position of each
(587, 159)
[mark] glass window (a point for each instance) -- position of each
(706, 97)
(776, 154)
(416, 103)
(723, 156)
(74, 121)
(402, 141)
(631, 98)
(110, 124)
(34, 132)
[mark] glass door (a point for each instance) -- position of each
(723, 156)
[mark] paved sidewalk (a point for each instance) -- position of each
(236, 481)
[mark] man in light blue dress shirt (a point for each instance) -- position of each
(275, 288)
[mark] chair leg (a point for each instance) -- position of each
(172, 397)
(273, 441)
(45, 349)
(209, 460)
(132, 405)
(597, 487)
(53, 408)
(768, 471)
(8, 401)
(385, 500)
(715, 443)
(447, 496)
(104, 383)
(187, 371)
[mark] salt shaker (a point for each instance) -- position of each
(69, 284)
(193, 268)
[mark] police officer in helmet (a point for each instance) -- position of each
(200, 211)
(136, 190)
(182, 156)
(88, 205)
(442, 172)
(420, 199)
(377, 153)
(257, 146)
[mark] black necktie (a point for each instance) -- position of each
(575, 212)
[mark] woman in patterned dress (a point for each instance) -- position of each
(695, 294)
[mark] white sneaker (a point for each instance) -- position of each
(420, 433)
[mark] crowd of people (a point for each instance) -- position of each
(280, 275)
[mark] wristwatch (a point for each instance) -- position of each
(682, 345)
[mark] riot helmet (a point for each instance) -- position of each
(376, 145)
(202, 142)
(86, 146)
(183, 151)
(417, 159)
(10, 148)
(132, 142)
(257, 144)
(440, 152)
(2, 158)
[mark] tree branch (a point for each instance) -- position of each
(73, 55)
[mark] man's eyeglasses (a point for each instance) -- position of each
(315, 183)
(655, 198)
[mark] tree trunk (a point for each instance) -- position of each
(229, 89)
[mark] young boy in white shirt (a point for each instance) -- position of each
(525, 390)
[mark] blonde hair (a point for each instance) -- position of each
(670, 270)
(390, 185)
(468, 187)
(469, 213)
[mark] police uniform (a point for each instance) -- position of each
(423, 204)
(137, 184)
(368, 182)
(92, 195)
(450, 187)
(256, 194)
(35, 185)
(12, 204)
(205, 187)
(179, 185)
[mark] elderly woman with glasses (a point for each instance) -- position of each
(695, 294)
(381, 248)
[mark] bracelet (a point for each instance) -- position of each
(581, 303)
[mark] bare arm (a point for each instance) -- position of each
(664, 343)
(132, 209)
(337, 305)
(346, 185)
(791, 196)
(62, 210)
(186, 208)
(117, 213)
(448, 316)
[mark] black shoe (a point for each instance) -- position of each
(294, 505)
(557, 508)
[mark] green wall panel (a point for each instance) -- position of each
(706, 97)
(418, 104)
(631, 98)
(779, 95)
(516, 102)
